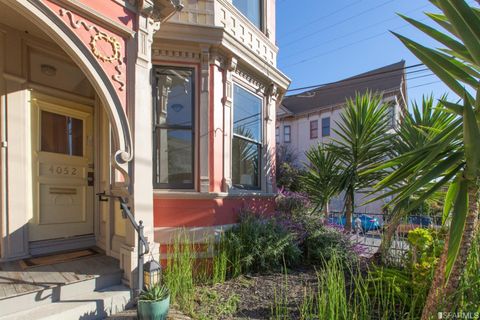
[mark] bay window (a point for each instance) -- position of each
(173, 139)
(247, 139)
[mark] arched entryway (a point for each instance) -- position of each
(64, 130)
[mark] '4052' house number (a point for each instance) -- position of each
(63, 170)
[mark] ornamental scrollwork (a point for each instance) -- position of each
(95, 40)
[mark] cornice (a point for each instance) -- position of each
(179, 33)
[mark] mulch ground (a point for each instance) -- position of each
(254, 295)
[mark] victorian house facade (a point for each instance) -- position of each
(165, 107)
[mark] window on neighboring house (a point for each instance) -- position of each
(391, 116)
(287, 135)
(277, 135)
(252, 9)
(326, 127)
(174, 105)
(313, 129)
(247, 139)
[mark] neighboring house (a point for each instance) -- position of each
(170, 106)
(310, 117)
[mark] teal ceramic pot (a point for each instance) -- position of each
(153, 310)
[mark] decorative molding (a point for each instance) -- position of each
(189, 55)
(260, 86)
(100, 36)
(232, 63)
(245, 32)
(99, 17)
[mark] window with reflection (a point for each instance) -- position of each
(326, 127)
(247, 139)
(173, 153)
(252, 9)
(61, 134)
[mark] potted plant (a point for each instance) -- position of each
(153, 303)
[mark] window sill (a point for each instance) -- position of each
(190, 194)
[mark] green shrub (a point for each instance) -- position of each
(259, 244)
(322, 243)
(425, 247)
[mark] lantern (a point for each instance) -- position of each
(152, 274)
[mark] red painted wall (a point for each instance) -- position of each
(206, 212)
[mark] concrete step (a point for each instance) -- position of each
(86, 306)
(58, 293)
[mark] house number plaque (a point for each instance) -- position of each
(63, 170)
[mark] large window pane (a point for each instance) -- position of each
(245, 166)
(175, 90)
(247, 139)
(247, 114)
(252, 9)
(174, 158)
(174, 129)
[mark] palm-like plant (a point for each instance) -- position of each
(363, 141)
(416, 130)
(321, 179)
(458, 66)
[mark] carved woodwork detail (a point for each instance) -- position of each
(96, 39)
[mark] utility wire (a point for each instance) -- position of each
(363, 82)
(362, 77)
(344, 46)
(348, 34)
(340, 22)
(424, 84)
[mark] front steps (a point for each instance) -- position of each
(93, 290)
(87, 306)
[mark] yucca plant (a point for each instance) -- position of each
(362, 142)
(417, 129)
(458, 66)
(321, 178)
(155, 293)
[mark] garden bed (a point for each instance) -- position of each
(253, 296)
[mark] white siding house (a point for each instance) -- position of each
(309, 118)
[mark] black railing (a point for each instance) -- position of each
(143, 247)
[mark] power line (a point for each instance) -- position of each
(424, 84)
(340, 22)
(325, 16)
(358, 83)
(423, 76)
(363, 76)
(351, 33)
(344, 46)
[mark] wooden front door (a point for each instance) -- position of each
(62, 143)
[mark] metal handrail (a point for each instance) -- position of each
(143, 247)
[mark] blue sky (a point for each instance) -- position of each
(323, 41)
